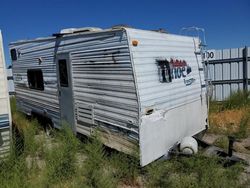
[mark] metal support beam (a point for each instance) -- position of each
(229, 60)
(233, 81)
(245, 76)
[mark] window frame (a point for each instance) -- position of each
(63, 81)
(32, 74)
(13, 54)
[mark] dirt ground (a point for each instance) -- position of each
(241, 149)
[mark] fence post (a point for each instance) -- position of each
(245, 76)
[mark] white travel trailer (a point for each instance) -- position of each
(136, 87)
(5, 116)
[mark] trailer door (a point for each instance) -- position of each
(65, 93)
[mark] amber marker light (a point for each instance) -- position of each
(135, 43)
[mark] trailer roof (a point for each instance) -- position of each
(56, 35)
(117, 28)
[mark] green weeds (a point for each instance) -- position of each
(64, 161)
(240, 99)
(61, 157)
(197, 171)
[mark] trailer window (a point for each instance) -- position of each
(63, 73)
(35, 79)
(164, 71)
(13, 54)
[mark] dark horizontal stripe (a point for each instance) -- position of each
(231, 60)
(12, 93)
(4, 128)
(197, 53)
(236, 81)
(4, 125)
(4, 120)
(203, 85)
(4, 117)
(9, 77)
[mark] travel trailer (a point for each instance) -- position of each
(5, 115)
(136, 88)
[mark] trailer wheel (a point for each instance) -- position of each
(189, 145)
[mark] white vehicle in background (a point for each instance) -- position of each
(5, 115)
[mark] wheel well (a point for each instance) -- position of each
(42, 119)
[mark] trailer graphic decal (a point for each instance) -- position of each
(180, 68)
(189, 81)
(174, 69)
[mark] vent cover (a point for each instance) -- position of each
(79, 30)
(85, 113)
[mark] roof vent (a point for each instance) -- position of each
(119, 26)
(79, 30)
(161, 30)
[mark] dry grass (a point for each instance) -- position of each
(228, 122)
(231, 117)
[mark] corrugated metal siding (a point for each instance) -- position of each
(152, 46)
(225, 72)
(5, 135)
(103, 84)
(30, 99)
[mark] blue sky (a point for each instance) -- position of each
(227, 22)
